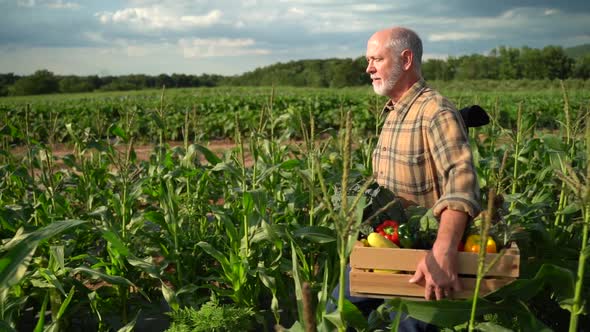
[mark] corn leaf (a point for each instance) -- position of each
(20, 249)
(131, 325)
(317, 234)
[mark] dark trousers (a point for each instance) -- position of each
(366, 305)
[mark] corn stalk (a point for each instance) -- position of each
(482, 256)
(559, 217)
(519, 133)
(345, 220)
(581, 189)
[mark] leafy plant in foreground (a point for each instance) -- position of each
(211, 317)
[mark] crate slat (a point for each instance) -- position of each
(406, 260)
(371, 284)
(366, 283)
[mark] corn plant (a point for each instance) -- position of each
(17, 255)
(580, 186)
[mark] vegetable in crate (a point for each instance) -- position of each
(379, 197)
(377, 240)
(388, 229)
(406, 235)
(472, 244)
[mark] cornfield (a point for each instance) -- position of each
(255, 238)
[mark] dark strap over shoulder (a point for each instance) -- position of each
(474, 116)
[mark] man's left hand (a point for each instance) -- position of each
(438, 270)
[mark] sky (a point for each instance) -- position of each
(108, 37)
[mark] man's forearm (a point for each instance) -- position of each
(450, 230)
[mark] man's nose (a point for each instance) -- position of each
(370, 68)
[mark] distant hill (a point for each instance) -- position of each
(577, 52)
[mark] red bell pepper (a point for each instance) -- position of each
(389, 230)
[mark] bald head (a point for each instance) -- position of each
(398, 39)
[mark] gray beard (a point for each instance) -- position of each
(387, 86)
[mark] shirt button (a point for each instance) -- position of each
(381, 172)
(384, 149)
(388, 122)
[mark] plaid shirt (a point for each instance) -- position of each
(423, 153)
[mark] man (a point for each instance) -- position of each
(423, 153)
(423, 156)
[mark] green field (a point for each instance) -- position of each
(101, 240)
(210, 113)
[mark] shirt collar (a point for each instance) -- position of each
(407, 99)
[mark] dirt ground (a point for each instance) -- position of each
(143, 151)
(217, 146)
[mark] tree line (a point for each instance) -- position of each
(502, 63)
(46, 82)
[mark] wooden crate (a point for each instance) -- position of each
(366, 283)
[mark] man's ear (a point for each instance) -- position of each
(407, 58)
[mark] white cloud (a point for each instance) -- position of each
(315, 16)
(159, 18)
(219, 47)
(284, 30)
(63, 5)
(371, 7)
(130, 48)
(527, 13)
(551, 12)
(207, 20)
(313, 2)
(296, 11)
(257, 17)
(452, 36)
(339, 22)
(57, 4)
(310, 17)
(249, 3)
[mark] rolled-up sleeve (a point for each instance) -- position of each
(454, 164)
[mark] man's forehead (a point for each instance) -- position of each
(374, 45)
(378, 39)
(374, 42)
